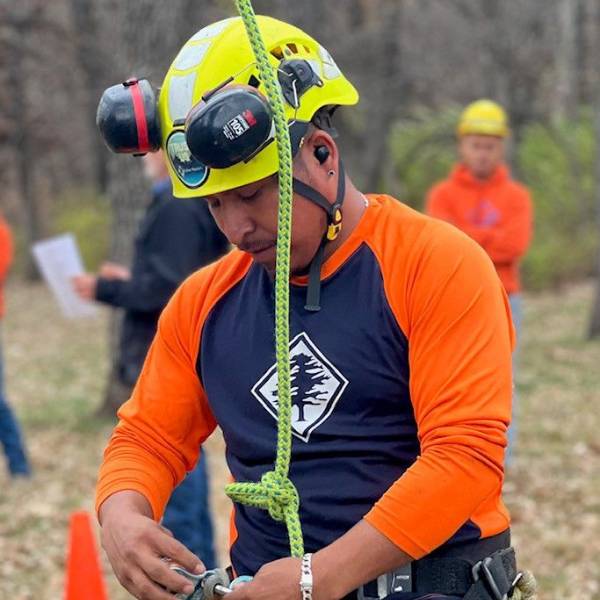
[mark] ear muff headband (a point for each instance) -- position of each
(140, 115)
(127, 117)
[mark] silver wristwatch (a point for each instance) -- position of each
(306, 578)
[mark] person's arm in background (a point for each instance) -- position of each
(170, 255)
(508, 238)
(6, 249)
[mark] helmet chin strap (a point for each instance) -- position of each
(334, 226)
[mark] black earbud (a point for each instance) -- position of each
(321, 154)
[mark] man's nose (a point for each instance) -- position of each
(236, 222)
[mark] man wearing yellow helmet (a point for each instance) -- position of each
(400, 356)
(481, 199)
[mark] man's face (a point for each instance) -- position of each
(248, 217)
(481, 154)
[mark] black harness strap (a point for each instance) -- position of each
(313, 292)
(491, 578)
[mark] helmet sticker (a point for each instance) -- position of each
(181, 93)
(330, 69)
(191, 55)
(191, 172)
(211, 30)
(315, 66)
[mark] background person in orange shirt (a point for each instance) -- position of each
(10, 434)
(480, 198)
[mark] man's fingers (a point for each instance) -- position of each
(242, 591)
(160, 572)
(178, 553)
(143, 588)
(167, 531)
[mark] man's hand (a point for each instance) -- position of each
(337, 569)
(110, 270)
(277, 580)
(139, 549)
(85, 286)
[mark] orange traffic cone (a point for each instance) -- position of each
(84, 577)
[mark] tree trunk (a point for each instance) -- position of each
(126, 191)
(387, 101)
(566, 59)
(594, 327)
(94, 64)
(143, 51)
(24, 146)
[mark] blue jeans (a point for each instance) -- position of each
(10, 435)
(187, 514)
(516, 308)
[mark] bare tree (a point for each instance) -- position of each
(594, 327)
(143, 51)
(95, 64)
(23, 118)
(566, 58)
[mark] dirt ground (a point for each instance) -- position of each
(55, 371)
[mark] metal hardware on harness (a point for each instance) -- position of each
(481, 571)
(399, 580)
(207, 586)
(516, 580)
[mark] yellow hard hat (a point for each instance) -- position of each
(221, 54)
(483, 117)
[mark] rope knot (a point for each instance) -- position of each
(280, 494)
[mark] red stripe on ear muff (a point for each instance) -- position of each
(140, 118)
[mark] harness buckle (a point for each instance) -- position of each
(481, 571)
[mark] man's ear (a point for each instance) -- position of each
(321, 150)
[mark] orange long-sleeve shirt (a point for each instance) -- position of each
(497, 213)
(401, 390)
(6, 257)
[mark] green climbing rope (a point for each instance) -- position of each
(275, 492)
(526, 587)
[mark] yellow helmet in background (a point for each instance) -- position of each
(483, 117)
(221, 54)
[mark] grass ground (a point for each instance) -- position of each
(55, 373)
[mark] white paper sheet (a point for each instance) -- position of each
(59, 260)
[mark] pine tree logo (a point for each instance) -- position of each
(316, 387)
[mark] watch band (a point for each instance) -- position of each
(306, 577)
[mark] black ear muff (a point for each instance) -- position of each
(321, 154)
(231, 127)
(127, 117)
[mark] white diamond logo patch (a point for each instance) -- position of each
(316, 387)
